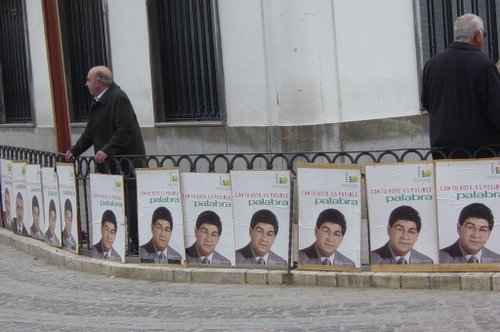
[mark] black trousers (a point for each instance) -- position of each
(131, 211)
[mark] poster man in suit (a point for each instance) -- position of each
(329, 232)
(208, 230)
(403, 230)
(68, 240)
(263, 230)
(474, 227)
(104, 248)
(19, 227)
(157, 249)
(50, 234)
(35, 230)
(7, 218)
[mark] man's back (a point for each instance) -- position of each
(461, 91)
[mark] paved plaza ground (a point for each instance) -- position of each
(35, 296)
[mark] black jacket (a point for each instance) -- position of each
(461, 92)
(112, 127)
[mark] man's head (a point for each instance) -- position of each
(161, 227)
(263, 230)
(52, 217)
(469, 28)
(329, 231)
(207, 231)
(35, 212)
(108, 230)
(474, 226)
(68, 217)
(19, 209)
(403, 229)
(99, 79)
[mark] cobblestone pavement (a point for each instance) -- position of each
(35, 296)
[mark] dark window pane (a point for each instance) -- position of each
(438, 16)
(83, 29)
(184, 70)
(15, 106)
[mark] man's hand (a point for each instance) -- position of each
(69, 156)
(101, 156)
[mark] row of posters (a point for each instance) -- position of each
(422, 216)
(240, 218)
(39, 202)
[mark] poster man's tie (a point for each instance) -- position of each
(473, 259)
(402, 261)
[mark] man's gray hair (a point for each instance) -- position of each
(466, 26)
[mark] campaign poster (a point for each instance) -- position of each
(401, 204)
(329, 198)
(468, 202)
(67, 197)
(109, 232)
(161, 228)
(35, 218)
(50, 192)
(18, 199)
(208, 218)
(261, 212)
(6, 178)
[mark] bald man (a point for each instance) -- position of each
(112, 129)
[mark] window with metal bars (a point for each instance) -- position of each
(438, 16)
(15, 85)
(85, 45)
(184, 60)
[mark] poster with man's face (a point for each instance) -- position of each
(261, 213)
(34, 215)
(67, 197)
(208, 218)
(402, 216)
(6, 178)
(50, 189)
(161, 230)
(108, 217)
(18, 199)
(468, 201)
(329, 198)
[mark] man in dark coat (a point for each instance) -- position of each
(112, 129)
(461, 92)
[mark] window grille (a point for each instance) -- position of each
(85, 45)
(438, 16)
(15, 85)
(184, 61)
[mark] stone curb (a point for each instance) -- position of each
(469, 281)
